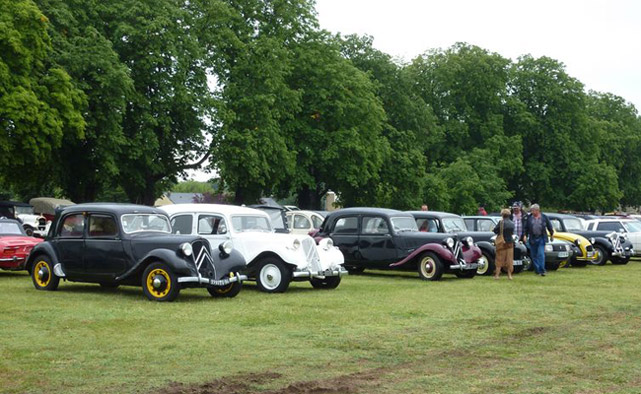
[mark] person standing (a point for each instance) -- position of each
(534, 231)
(505, 250)
(518, 218)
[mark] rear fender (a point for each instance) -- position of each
(441, 251)
(42, 248)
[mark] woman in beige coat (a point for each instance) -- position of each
(504, 250)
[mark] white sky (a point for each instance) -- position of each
(598, 41)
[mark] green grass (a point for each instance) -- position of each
(576, 330)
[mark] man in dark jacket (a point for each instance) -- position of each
(535, 231)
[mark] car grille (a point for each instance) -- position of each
(202, 256)
(311, 254)
(559, 248)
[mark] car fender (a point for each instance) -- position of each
(605, 243)
(486, 247)
(224, 264)
(42, 248)
(177, 263)
(443, 253)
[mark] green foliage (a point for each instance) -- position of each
(193, 187)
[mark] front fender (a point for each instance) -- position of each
(604, 243)
(487, 247)
(472, 254)
(41, 248)
(443, 253)
(179, 264)
(233, 262)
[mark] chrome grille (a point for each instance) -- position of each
(202, 259)
(311, 254)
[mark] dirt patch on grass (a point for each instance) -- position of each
(236, 384)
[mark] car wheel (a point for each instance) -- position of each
(159, 283)
(488, 267)
(527, 264)
(552, 266)
(430, 267)
(42, 274)
(273, 276)
(229, 291)
(603, 255)
(620, 260)
(330, 282)
(28, 230)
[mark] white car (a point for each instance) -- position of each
(302, 222)
(630, 227)
(33, 224)
(273, 259)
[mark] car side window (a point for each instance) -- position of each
(375, 225)
(211, 224)
(181, 224)
(317, 222)
(347, 225)
(427, 225)
(301, 222)
(556, 224)
(609, 226)
(102, 226)
(469, 223)
(73, 226)
(486, 225)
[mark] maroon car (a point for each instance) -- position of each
(376, 238)
(15, 245)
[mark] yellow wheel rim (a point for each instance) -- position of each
(150, 283)
(36, 277)
(226, 289)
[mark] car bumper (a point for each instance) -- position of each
(212, 282)
(320, 274)
(624, 253)
(467, 266)
(557, 256)
(12, 263)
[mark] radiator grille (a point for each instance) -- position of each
(311, 254)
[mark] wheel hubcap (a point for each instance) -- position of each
(482, 270)
(427, 267)
(270, 276)
(158, 283)
(43, 275)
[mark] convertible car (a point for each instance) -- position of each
(15, 245)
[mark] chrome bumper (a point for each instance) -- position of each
(212, 282)
(316, 274)
(464, 266)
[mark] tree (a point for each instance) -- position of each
(39, 105)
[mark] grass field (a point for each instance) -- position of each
(576, 330)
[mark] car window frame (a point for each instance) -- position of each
(297, 215)
(186, 214)
(355, 217)
(59, 234)
(101, 214)
(215, 215)
(384, 220)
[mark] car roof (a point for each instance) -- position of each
(560, 216)
(611, 219)
(437, 214)
(304, 212)
(372, 211)
(211, 208)
(118, 208)
(480, 217)
(13, 204)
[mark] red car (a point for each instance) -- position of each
(15, 245)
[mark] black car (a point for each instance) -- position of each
(389, 239)
(114, 244)
(609, 245)
(443, 222)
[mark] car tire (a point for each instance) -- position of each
(489, 264)
(229, 291)
(330, 282)
(552, 266)
(168, 287)
(604, 255)
(430, 267)
(28, 230)
(528, 265)
(273, 276)
(42, 274)
(620, 260)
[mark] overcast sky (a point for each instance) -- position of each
(598, 41)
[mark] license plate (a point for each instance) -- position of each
(518, 262)
(563, 254)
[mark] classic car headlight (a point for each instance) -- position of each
(226, 247)
(326, 243)
(187, 249)
(548, 248)
(469, 241)
(592, 240)
(295, 245)
(449, 242)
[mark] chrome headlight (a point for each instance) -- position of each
(548, 248)
(226, 247)
(449, 242)
(326, 243)
(295, 245)
(187, 249)
(469, 241)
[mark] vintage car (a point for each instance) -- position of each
(15, 245)
(558, 253)
(114, 244)
(302, 222)
(46, 206)
(277, 216)
(630, 227)
(273, 259)
(443, 222)
(388, 239)
(33, 224)
(608, 245)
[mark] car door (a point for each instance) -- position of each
(214, 228)
(375, 243)
(105, 255)
(344, 233)
(69, 243)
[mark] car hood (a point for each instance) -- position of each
(144, 242)
(418, 238)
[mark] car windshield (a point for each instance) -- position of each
(251, 223)
(401, 224)
(572, 225)
(10, 228)
(633, 227)
(276, 216)
(454, 225)
(24, 210)
(133, 223)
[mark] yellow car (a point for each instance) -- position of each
(584, 252)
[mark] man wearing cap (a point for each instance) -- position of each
(534, 230)
(517, 218)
